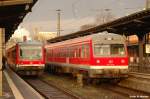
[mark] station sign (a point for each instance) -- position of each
(147, 48)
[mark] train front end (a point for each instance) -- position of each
(109, 59)
(30, 59)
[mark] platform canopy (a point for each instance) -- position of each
(12, 13)
(137, 23)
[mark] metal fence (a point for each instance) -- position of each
(135, 66)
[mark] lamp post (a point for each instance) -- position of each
(58, 22)
(147, 4)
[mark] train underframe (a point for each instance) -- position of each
(29, 70)
(89, 74)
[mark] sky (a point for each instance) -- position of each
(75, 13)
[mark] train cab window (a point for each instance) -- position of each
(20, 52)
(117, 49)
(109, 50)
(30, 52)
(101, 50)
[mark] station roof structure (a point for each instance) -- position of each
(12, 13)
(137, 23)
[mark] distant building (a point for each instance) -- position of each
(147, 4)
(44, 36)
(133, 39)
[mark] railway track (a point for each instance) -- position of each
(126, 92)
(50, 91)
(130, 92)
(140, 75)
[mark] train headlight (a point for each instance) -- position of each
(98, 61)
(110, 61)
(122, 61)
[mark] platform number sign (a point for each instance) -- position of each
(147, 47)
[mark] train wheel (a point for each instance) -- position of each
(74, 75)
(115, 80)
(39, 73)
(88, 81)
(80, 80)
(95, 81)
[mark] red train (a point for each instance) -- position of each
(26, 58)
(102, 55)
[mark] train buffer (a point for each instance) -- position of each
(15, 88)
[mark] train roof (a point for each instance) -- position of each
(30, 43)
(108, 38)
(102, 37)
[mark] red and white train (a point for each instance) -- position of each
(102, 55)
(26, 58)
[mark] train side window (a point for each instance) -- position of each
(87, 51)
(61, 52)
(52, 53)
(72, 52)
(21, 52)
(64, 52)
(75, 52)
(58, 52)
(82, 52)
(67, 52)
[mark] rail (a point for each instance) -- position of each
(50, 91)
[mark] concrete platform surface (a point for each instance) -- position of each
(15, 88)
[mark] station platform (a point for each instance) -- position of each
(13, 87)
(137, 81)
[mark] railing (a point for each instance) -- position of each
(134, 66)
(140, 69)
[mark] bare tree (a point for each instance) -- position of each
(103, 18)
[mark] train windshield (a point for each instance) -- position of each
(31, 52)
(109, 50)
